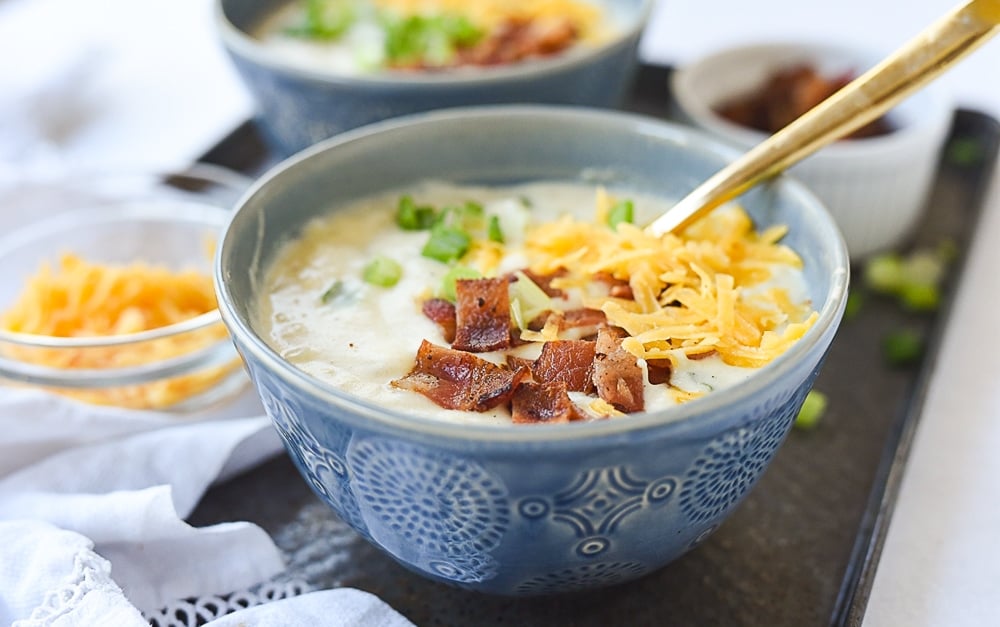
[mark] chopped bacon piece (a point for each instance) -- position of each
(544, 281)
(619, 288)
(459, 380)
(443, 313)
(583, 318)
(658, 370)
(482, 315)
(514, 362)
(543, 402)
(617, 374)
(569, 361)
(518, 39)
(538, 322)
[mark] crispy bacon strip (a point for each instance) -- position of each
(459, 380)
(617, 374)
(588, 319)
(658, 370)
(518, 39)
(482, 315)
(543, 402)
(443, 313)
(568, 361)
(514, 362)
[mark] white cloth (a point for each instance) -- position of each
(123, 481)
(344, 607)
(92, 508)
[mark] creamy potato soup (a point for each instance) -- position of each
(543, 302)
(357, 37)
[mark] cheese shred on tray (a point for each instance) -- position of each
(532, 304)
(77, 298)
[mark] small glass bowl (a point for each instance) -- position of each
(171, 221)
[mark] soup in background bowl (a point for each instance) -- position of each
(308, 90)
(499, 507)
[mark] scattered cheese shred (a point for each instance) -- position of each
(702, 291)
(604, 409)
(82, 299)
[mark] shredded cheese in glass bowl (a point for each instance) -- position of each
(109, 298)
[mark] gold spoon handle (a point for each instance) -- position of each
(864, 99)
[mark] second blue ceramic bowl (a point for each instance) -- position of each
(524, 509)
(299, 106)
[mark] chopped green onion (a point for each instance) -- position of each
(332, 292)
(920, 297)
(467, 217)
(812, 410)
(622, 212)
(446, 244)
(493, 231)
(447, 291)
(884, 273)
(915, 279)
(382, 271)
(902, 347)
(526, 202)
(413, 218)
(326, 19)
(527, 300)
(923, 267)
(427, 39)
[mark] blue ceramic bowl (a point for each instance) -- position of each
(524, 509)
(299, 106)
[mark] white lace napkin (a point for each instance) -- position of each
(92, 508)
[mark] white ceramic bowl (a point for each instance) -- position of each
(875, 188)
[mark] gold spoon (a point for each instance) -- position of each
(864, 99)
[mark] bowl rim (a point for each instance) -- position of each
(245, 45)
(675, 419)
(702, 114)
(183, 210)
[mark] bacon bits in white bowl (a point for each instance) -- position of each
(875, 186)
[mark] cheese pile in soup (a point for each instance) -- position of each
(355, 37)
(543, 302)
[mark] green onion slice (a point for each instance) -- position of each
(411, 217)
(493, 231)
(812, 410)
(333, 292)
(446, 244)
(623, 211)
(382, 271)
(326, 19)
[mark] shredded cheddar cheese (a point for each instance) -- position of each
(701, 291)
(587, 17)
(82, 299)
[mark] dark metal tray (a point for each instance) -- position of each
(800, 550)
